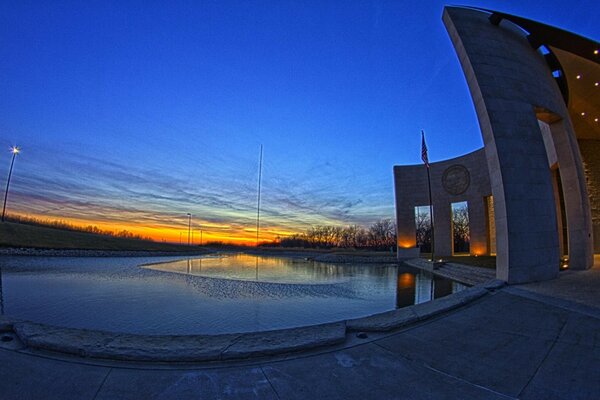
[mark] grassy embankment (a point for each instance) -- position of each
(31, 236)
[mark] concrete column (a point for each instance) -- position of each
(443, 229)
(507, 78)
(577, 206)
(590, 152)
(478, 226)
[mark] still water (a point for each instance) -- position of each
(212, 294)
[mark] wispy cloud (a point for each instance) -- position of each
(88, 188)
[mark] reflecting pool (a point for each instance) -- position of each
(211, 294)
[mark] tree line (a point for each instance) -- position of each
(381, 235)
(59, 224)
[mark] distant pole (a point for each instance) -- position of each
(180, 237)
(425, 158)
(14, 150)
(258, 202)
(200, 237)
(189, 227)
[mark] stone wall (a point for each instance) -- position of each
(459, 179)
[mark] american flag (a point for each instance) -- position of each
(424, 150)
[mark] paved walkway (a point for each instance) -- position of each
(504, 345)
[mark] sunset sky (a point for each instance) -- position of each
(132, 115)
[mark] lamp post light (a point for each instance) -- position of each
(14, 150)
(189, 227)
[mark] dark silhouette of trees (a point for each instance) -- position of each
(460, 227)
(379, 236)
(423, 229)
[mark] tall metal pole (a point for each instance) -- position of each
(258, 202)
(425, 158)
(15, 150)
(189, 227)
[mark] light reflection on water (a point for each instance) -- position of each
(236, 293)
(256, 268)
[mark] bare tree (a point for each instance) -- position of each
(423, 230)
(460, 227)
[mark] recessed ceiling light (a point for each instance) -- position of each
(583, 114)
(578, 77)
(595, 119)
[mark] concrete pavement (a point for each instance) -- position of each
(504, 345)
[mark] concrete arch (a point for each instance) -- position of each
(513, 90)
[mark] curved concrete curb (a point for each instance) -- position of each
(195, 348)
(185, 348)
(395, 319)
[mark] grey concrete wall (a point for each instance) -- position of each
(509, 81)
(410, 183)
(590, 152)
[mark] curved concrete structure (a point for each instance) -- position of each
(533, 106)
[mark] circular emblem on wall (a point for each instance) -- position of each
(456, 179)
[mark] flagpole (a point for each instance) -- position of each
(258, 201)
(425, 158)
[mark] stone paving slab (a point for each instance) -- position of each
(488, 344)
(366, 372)
(514, 314)
(229, 383)
(581, 330)
(570, 372)
(31, 378)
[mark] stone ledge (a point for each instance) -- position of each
(177, 348)
(395, 319)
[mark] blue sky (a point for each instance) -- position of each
(131, 114)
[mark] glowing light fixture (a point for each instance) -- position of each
(595, 119)
(14, 150)
(583, 114)
(578, 77)
(595, 51)
(596, 84)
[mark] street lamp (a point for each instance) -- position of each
(14, 150)
(189, 227)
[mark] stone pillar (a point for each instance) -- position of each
(507, 79)
(444, 240)
(590, 153)
(478, 226)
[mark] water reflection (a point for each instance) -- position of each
(260, 293)
(413, 286)
(261, 269)
(416, 287)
